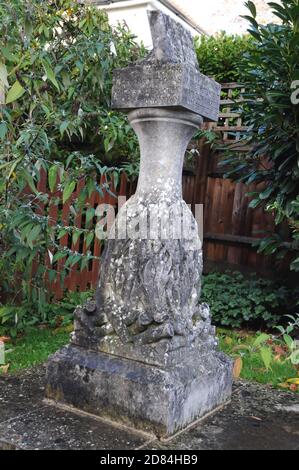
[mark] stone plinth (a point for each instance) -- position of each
(149, 398)
(145, 353)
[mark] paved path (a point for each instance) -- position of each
(258, 417)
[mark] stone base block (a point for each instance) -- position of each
(161, 401)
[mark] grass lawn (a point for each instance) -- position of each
(35, 347)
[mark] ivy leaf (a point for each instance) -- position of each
(50, 74)
(15, 92)
(68, 190)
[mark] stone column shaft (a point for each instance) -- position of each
(163, 137)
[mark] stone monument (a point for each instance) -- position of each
(144, 353)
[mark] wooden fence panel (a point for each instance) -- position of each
(60, 214)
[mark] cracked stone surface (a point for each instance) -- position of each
(258, 417)
(168, 77)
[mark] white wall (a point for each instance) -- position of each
(136, 18)
(134, 13)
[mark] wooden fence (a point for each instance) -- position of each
(61, 214)
(230, 226)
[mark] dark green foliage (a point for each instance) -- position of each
(56, 65)
(272, 71)
(239, 301)
(220, 56)
(15, 319)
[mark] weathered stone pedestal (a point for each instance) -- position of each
(145, 353)
(147, 397)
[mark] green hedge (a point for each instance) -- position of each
(239, 301)
(220, 56)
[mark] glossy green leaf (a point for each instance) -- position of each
(262, 338)
(15, 92)
(89, 238)
(52, 177)
(266, 356)
(68, 190)
(50, 74)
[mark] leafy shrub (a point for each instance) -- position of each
(16, 319)
(56, 65)
(271, 70)
(220, 56)
(264, 358)
(237, 301)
